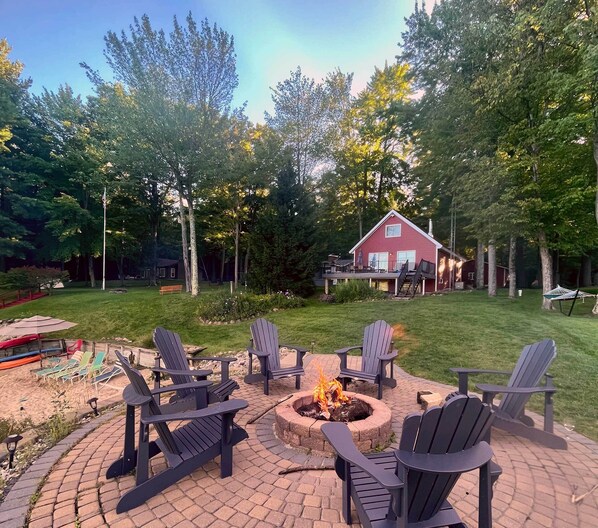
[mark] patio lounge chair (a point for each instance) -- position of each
(208, 433)
(376, 353)
(82, 363)
(107, 375)
(96, 367)
(409, 487)
(176, 364)
(264, 345)
(531, 367)
(69, 363)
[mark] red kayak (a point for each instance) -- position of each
(19, 341)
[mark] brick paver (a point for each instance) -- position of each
(534, 490)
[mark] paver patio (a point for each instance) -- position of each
(533, 492)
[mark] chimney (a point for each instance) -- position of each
(430, 228)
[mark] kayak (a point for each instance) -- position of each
(19, 341)
(5, 365)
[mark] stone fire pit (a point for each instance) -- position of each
(298, 431)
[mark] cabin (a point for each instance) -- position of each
(395, 250)
(169, 269)
(469, 279)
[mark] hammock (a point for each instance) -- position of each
(563, 294)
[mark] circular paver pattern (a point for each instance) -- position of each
(533, 492)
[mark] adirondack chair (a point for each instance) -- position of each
(209, 432)
(409, 487)
(176, 361)
(376, 353)
(265, 346)
(532, 365)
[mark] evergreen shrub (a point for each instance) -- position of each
(357, 290)
(224, 307)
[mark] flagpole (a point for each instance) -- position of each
(104, 244)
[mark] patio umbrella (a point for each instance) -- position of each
(38, 324)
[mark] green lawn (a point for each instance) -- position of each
(432, 333)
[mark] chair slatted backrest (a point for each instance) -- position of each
(265, 338)
(140, 387)
(173, 355)
(377, 340)
(460, 424)
(533, 363)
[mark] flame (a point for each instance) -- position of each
(328, 394)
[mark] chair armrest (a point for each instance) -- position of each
(389, 356)
(342, 351)
(133, 398)
(189, 372)
(205, 358)
(340, 439)
(499, 389)
(299, 349)
(227, 407)
(258, 353)
(460, 370)
(460, 462)
(182, 386)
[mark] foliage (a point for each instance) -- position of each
(9, 426)
(32, 277)
(283, 240)
(241, 306)
(356, 290)
(60, 424)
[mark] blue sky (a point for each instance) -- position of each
(272, 37)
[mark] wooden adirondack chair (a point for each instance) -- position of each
(409, 487)
(176, 362)
(376, 353)
(208, 433)
(532, 365)
(265, 346)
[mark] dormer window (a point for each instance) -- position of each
(393, 230)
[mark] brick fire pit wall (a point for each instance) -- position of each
(298, 431)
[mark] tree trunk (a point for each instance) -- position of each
(121, 270)
(193, 242)
(184, 241)
(92, 273)
(596, 163)
(237, 235)
(512, 267)
(479, 266)
(222, 265)
(491, 269)
(546, 265)
(586, 271)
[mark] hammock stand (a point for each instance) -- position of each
(563, 294)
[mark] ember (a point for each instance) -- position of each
(329, 403)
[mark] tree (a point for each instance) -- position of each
(307, 115)
(283, 240)
(177, 88)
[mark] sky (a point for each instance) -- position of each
(272, 38)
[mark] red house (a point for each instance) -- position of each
(395, 240)
(468, 272)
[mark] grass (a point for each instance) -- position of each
(432, 333)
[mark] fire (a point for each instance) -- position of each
(328, 394)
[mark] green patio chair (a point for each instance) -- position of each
(88, 370)
(84, 361)
(62, 366)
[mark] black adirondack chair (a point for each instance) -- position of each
(531, 367)
(265, 346)
(208, 433)
(176, 362)
(409, 487)
(376, 353)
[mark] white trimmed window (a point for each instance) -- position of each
(162, 272)
(173, 273)
(378, 261)
(392, 231)
(406, 256)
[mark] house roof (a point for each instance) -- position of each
(486, 263)
(390, 213)
(164, 263)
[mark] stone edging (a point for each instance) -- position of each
(16, 504)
